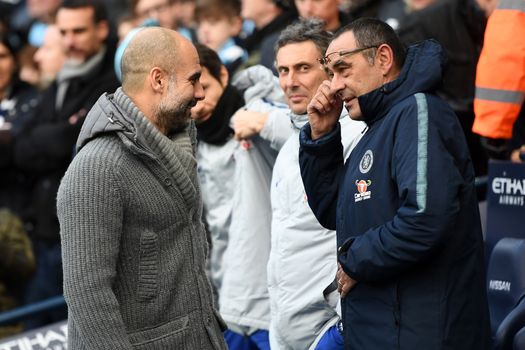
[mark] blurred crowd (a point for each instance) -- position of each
(57, 57)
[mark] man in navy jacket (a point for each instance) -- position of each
(404, 206)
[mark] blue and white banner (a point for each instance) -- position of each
(505, 202)
(51, 337)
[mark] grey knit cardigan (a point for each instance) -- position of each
(133, 244)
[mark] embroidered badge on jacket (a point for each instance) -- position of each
(362, 190)
(366, 162)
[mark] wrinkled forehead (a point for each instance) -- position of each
(187, 62)
(344, 42)
(297, 52)
(75, 17)
(188, 52)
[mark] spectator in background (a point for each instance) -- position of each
(235, 175)
(500, 84)
(156, 9)
(390, 11)
(43, 12)
(126, 24)
(45, 147)
(219, 22)
(458, 25)
(243, 300)
(115, 10)
(302, 264)
(165, 12)
(327, 10)
(50, 57)
(404, 205)
(417, 5)
(17, 263)
(130, 210)
(269, 17)
(30, 21)
(28, 67)
(184, 11)
(215, 153)
(17, 105)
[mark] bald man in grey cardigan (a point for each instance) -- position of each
(133, 244)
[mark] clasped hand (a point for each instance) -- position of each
(344, 282)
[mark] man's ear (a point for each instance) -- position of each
(385, 58)
(225, 76)
(235, 26)
(157, 80)
(102, 30)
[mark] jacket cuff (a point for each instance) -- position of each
(345, 246)
(323, 145)
(342, 256)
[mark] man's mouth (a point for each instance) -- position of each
(348, 103)
(296, 98)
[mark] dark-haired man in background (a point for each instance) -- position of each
(46, 147)
(269, 17)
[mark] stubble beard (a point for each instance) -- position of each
(172, 116)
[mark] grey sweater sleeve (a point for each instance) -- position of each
(90, 210)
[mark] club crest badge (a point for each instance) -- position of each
(362, 190)
(366, 162)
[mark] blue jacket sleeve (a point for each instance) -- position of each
(321, 163)
(427, 171)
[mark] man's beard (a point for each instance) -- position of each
(174, 117)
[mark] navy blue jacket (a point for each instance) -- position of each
(406, 214)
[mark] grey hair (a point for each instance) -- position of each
(302, 30)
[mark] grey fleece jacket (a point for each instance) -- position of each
(133, 245)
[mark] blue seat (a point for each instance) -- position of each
(506, 289)
(519, 340)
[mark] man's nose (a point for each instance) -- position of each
(336, 84)
(308, 7)
(291, 79)
(198, 92)
(68, 39)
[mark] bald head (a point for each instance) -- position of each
(160, 74)
(149, 48)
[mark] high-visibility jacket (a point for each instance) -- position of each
(500, 76)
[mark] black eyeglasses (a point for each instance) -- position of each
(326, 59)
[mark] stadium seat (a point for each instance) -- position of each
(506, 288)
